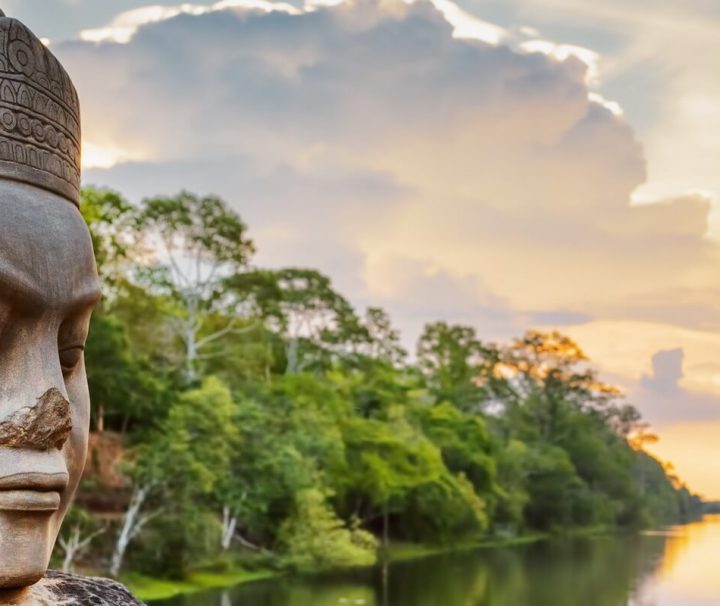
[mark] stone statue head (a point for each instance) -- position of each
(48, 288)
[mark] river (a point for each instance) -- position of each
(678, 566)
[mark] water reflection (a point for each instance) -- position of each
(687, 574)
(673, 568)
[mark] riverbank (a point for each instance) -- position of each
(673, 566)
(150, 589)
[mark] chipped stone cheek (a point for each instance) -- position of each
(44, 426)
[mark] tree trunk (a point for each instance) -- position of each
(74, 545)
(191, 352)
(100, 422)
(228, 528)
(386, 527)
(386, 583)
(292, 356)
(70, 548)
(132, 524)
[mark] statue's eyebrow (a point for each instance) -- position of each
(15, 285)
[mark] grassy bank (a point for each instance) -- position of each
(149, 588)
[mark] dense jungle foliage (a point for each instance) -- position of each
(239, 410)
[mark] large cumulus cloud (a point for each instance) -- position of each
(433, 174)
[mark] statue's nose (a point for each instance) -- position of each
(44, 426)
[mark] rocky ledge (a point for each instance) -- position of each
(60, 589)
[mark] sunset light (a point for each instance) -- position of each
(373, 280)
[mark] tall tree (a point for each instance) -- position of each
(318, 322)
(124, 386)
(549, 376)
(383, 340)
(453, 359)
(198, 243)
(111, 220)
(183, 461)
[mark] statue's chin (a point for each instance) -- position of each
(25, 547)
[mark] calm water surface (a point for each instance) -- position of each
(677, 567)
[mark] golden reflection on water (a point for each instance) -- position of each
(679, 566)
(689, 572)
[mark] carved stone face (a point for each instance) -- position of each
(48, 288)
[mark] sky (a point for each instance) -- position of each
(508, 164)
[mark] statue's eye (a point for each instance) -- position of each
(70, 358)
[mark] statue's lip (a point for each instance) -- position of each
(29, 500)
(32, 491)
(35, 482)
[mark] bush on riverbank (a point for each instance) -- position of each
(257, 411)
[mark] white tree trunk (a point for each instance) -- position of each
(191, 352)
(74, 545)
(292, 356)
(228, 528)
(69, 546)
(132, 525)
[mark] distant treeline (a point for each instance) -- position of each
(246, 410)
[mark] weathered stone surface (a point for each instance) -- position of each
(41, 427)
(59, 589)
(48, 288)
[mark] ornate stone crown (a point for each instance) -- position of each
(39, 114)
